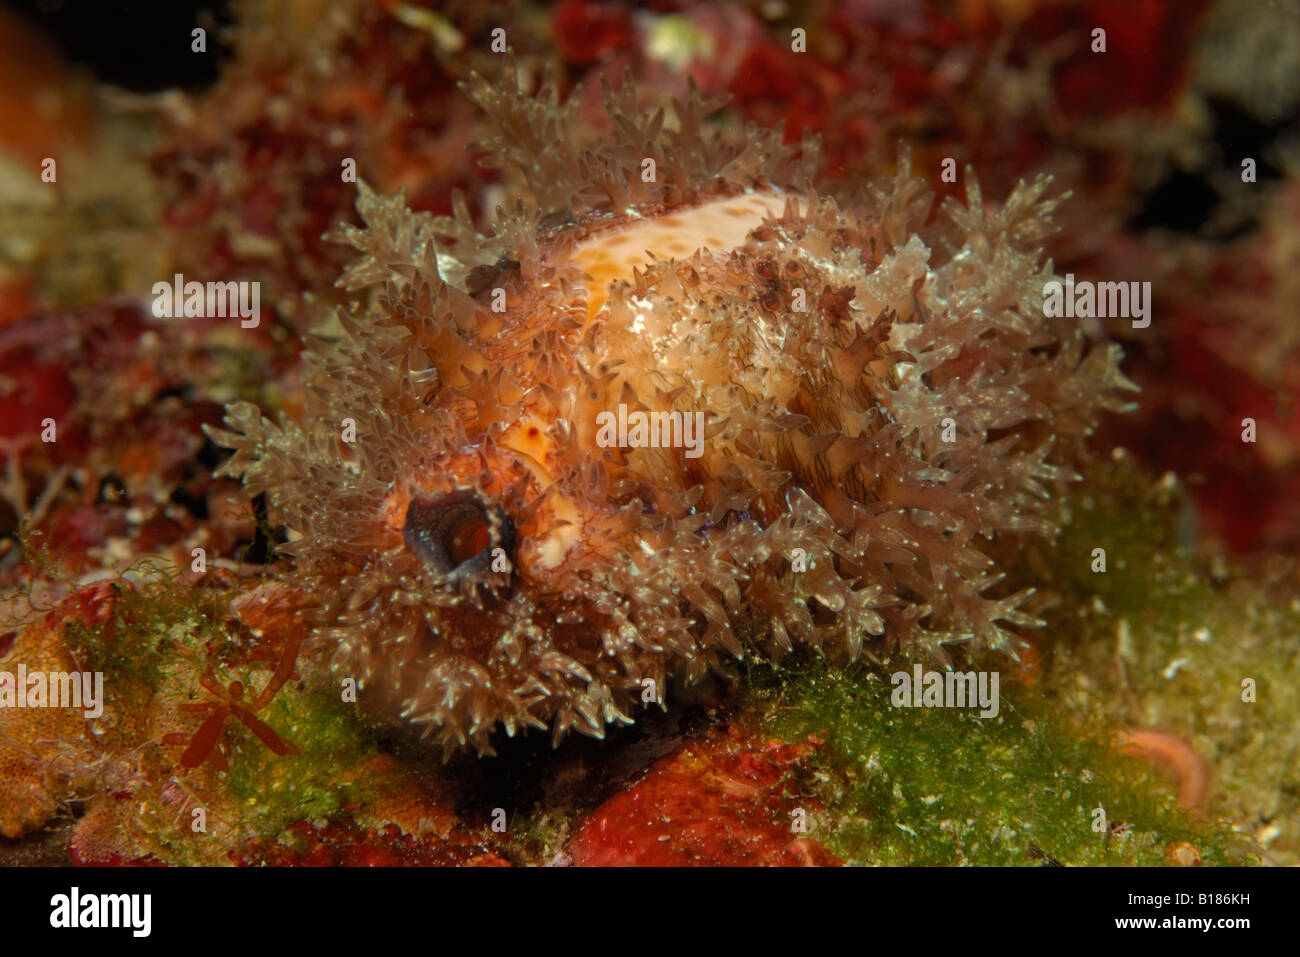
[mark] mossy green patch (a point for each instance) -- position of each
(1126, 551)
(157, 636)
(1171, 638)
(1163, 638)
(942, 786)
(318, 782)
(154, 618)
(135, 633)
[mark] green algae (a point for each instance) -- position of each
(1164, 638)
(152, 635)
(1168, 638)
(153, 621)
(1145, 530)
(322, 780)
(941, 786)
(271, 791)
(262, 793)
(135, 631)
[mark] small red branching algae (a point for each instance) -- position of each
(203, 745)
(880, 393)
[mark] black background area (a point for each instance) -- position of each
(139, 45)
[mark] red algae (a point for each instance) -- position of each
(726, 800)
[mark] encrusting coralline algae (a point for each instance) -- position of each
(881, 397)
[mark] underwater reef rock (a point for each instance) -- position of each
(724, 800)
(876, 396)
(334, 845)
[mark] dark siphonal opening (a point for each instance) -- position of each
(470, 540)
(455, 535)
